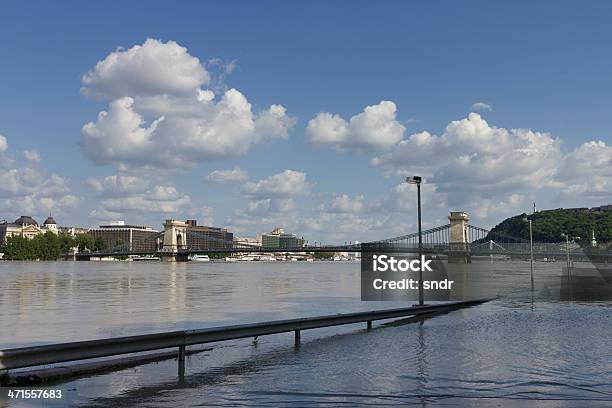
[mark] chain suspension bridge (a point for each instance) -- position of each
(457, 239)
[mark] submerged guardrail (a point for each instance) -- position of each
(83, 350)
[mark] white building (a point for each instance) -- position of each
(27, 227)
(49, 226)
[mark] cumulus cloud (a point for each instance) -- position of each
(3, 144)
(118, 185)
(481, 106)
(340, 225)
(287, 184)
(32, 155)
(271, 202)
(30, 189)
(347, 204)
(587, 172)
(480, 168)
(471, 155)
(204, 215)
(152, 68)
(166, 119)
(124, 194)
(375, 128)
(225, 176)
(271, 205)
(143, 203)
(401, 198)
(496, 208)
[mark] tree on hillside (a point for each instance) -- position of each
(548, 226)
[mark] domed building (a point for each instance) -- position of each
(26, 226)
(50, 225)
(25, 220)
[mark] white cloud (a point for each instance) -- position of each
(226, 67)
(30, 189)
(204, 215)
(286, 184)
(143, 203)
(225, 176)
(495, 209)
(152, 68)
(337, 228)
(174, 123)
(3, 144)
(472, 156)
(271, 205)
(490, 171)
(347, 204)
(220, 70)
(251, 222)
(587, 172)
(481, 106)
(274, 123)
(118, 185)
(32, 155)
(128, 194)
(402, 198)
(375, 128)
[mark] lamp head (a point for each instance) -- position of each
(413, 180)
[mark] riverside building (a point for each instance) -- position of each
(27, 227)
(277, 238)
(131, 237)
(205, 237)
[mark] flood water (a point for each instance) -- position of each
(523, 349)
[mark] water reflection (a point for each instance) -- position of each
(524, 349)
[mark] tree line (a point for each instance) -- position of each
(48, 246)
(548, 226)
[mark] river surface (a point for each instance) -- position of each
(523, 349)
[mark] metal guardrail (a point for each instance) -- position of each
(82, 350)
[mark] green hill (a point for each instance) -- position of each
(548, 225)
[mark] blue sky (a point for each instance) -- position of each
(541, 67)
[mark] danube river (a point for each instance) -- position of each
(519, 350)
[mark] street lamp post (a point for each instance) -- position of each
(417, 180)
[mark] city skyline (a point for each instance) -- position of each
(309, 133)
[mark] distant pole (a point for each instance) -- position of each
(531, 252)
(567, 252)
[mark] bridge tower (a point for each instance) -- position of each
(459, 240)
(175, 239)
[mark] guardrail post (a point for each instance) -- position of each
(369, 325)
(297, 337)
(74, 351)
(181, 363)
